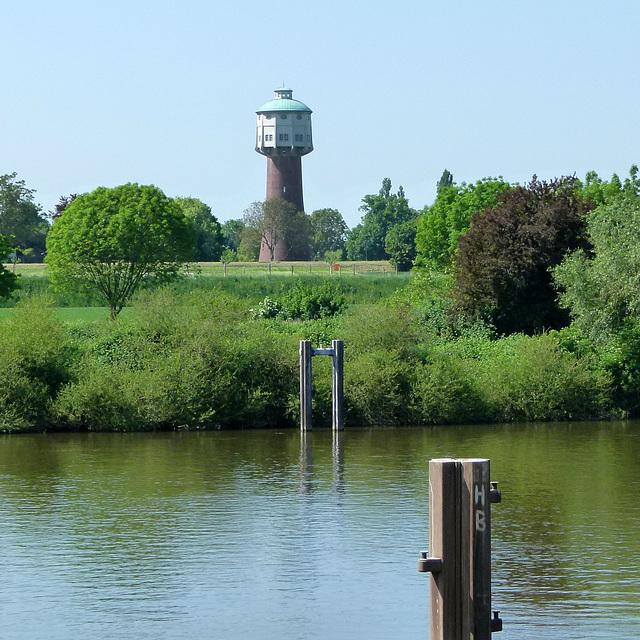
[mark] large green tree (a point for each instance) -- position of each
(503, 262)
(327, 232)
(209, 238)
(279, 223)
(448, 218)
(110, 240)
(601, 287)
(249, 247)
(20, 217)
(232, 232)
(400, 244)
(381, 212)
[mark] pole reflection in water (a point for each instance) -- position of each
(338, 460)
(306, 461)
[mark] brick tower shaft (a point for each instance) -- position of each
(284, 179)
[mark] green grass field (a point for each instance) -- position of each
(72, 315)
(249, 282)
(378, 267)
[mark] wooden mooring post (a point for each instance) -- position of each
(459, 557)
(306, 384)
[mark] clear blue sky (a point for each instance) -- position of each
(102, 93)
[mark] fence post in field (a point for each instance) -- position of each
(459, 557)
(337, 387)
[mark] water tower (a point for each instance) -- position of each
(283, 134)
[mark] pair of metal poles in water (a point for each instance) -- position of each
(307, 352)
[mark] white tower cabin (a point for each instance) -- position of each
(284, 126)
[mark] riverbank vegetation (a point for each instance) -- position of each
(522, 305)
(198, 355)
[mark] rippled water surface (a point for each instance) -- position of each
(269, 535)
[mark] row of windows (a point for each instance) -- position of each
(284, 116)
(284, 137)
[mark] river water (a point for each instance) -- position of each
(269, 535)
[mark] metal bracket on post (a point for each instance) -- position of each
(337, 386)
(460, 498)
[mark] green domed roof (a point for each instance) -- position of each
(283, 103)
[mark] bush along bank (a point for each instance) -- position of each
(199, 360)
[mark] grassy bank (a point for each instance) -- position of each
(202, 355)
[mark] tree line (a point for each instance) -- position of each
(321, 235)
(502, 246)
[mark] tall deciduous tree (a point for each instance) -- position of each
(504, 260)
(249, 247)
(110, 240)
(446, 180)
(232, 230)
(209, 238)
(442, 224)
(20, 217)
(63, 203)
(279, 223)
(600, 287)
(327, 232)
(380, 212)
(400, 244)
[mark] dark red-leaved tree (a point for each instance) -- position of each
(503, 261)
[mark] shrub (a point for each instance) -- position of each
(376, 389)
(268, 309)
(304, 302)
(380, 328)
(443, 392)
(37, 357)
(534, 379)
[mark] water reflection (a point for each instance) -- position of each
(282, 534)
(338, 461)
